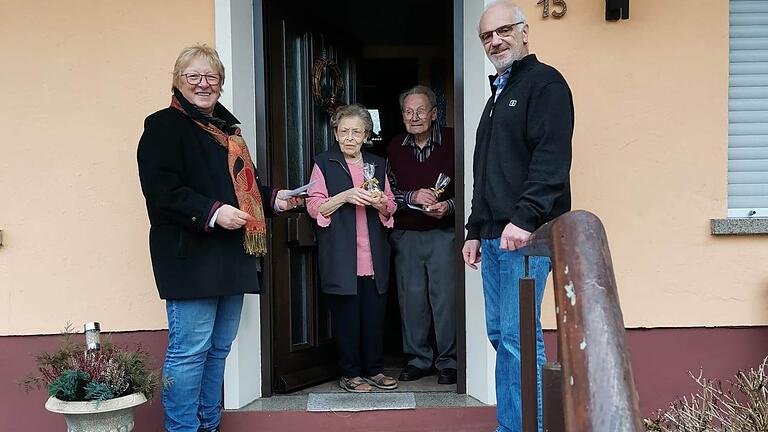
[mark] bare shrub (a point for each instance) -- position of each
(737, 405)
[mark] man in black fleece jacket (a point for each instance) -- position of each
(521, 171)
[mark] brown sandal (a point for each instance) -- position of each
(382, 381)
(354, 385)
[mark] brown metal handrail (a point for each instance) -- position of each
(597, 388)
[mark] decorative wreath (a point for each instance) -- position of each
(327, 96)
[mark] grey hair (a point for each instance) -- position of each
(416, 90)
(519, 14)
(353, 110)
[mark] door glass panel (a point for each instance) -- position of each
(347, 70)
(322, 133)
(296, 150)
(296, 108)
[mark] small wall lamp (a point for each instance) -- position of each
(92, 336)
(616, 10)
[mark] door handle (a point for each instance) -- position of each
(301, 231)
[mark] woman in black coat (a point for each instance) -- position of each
(207, 212)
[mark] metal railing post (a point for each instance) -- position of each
(552, 397)
(528, 363)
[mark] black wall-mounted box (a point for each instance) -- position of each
(616, 10)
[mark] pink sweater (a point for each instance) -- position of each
(318, 195)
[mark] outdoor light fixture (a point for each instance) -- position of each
(616, 10)
(92, 337)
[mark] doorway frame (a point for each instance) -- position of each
(460, 195)
(248, 368)
(235, 21)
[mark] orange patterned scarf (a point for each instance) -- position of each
(243, 174)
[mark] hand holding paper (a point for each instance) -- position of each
(301, 191)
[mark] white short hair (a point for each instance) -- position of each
(517, 10)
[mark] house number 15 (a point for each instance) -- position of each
(555, 13)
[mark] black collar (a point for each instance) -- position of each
(221, 116)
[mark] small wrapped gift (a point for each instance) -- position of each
(371, 183)
(440, 184)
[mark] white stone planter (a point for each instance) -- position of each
(113, 415)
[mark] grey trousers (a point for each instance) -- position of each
(424, 263)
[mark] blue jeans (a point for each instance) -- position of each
(501, 271)
(200, 335)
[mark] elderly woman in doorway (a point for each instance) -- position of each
(208, 235)
(353, 249)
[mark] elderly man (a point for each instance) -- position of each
(423, 239)
(521, 171)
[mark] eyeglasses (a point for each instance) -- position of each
(503, 31)
(354, 133)
(196, 78)
(421, 112)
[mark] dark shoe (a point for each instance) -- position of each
(447, 376)
(412, 373)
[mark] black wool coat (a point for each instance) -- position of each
(184, 175)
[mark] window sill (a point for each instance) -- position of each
(739, 226)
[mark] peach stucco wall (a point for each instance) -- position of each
(80, 76)
(650, 153)
(650, 157)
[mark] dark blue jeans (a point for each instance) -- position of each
(200, 335)
(501, 271)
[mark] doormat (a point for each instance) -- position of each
(323, 402)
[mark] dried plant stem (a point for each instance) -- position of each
(738, 405)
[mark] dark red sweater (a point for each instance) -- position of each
(413, 175)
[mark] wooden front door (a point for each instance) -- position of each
(302, 349)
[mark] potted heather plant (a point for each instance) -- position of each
(96, 387)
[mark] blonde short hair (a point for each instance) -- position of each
(190, 54)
